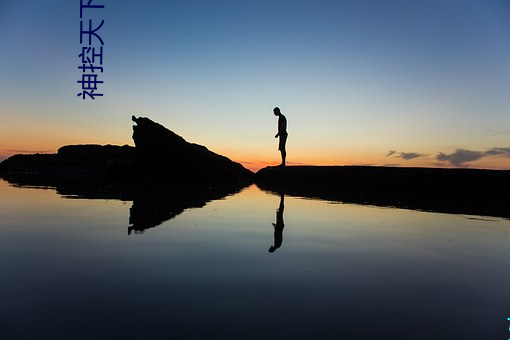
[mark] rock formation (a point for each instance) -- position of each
(160, 156)
(164, 152)
(459, 191)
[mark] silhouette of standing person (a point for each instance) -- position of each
(282, 133)
(278, 226)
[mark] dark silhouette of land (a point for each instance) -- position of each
(160, 155)
(459, 191)
(164, 174)
(166, 154)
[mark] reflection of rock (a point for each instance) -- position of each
(160, 155)
(460, 191)
(153, 206)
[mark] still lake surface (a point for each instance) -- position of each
(70, 270)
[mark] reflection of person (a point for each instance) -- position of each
(282, 133)
(278, 226)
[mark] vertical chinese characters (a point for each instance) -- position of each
(90, 55)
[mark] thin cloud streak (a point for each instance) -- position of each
(405, 155)
(410, 155)
(15, 151)
(493, 132)
(6, 153)
(461, 157)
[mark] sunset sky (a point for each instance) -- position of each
(394, 82)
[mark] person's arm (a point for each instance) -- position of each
(279, 129)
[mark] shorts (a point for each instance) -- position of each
(283, 140)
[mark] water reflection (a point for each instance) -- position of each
(451, 201)
(152, 207)
(360, 273)
(279, 225)
(154, 201)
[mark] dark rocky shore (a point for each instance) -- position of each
(460, 191)
(164, 174)
(160, 159)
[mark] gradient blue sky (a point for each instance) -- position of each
(400, 82)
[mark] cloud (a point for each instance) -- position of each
(15, 151)
(6, 153)
(498, 152)
(410, 155)
(405, 155)
(494, 132)
(460, 157)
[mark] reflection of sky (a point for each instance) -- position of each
(355, 78)
(207, 271)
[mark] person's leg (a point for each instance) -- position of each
(283, 151)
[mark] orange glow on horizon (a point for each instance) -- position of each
(256, 162)
(495, 163)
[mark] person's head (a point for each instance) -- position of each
(276, 111)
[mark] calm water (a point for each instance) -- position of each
(70, 270)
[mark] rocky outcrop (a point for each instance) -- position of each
(75, 168)
(460, 191)
(166, 153)
(160, 156)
